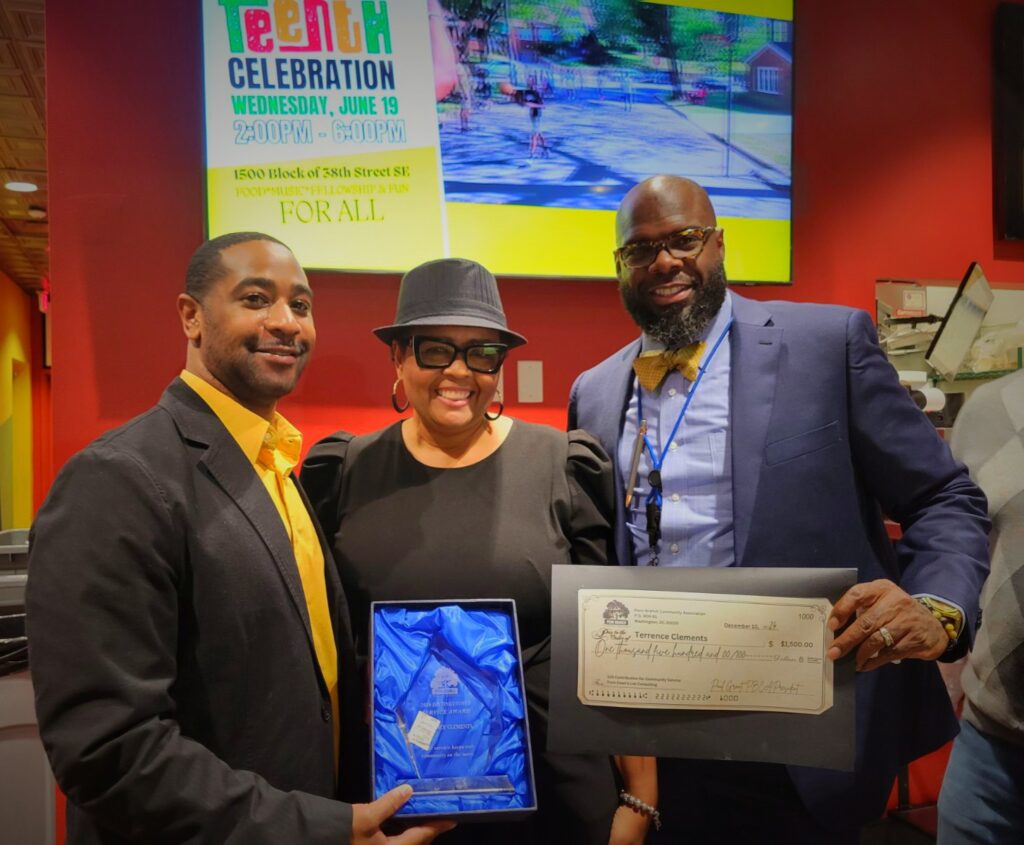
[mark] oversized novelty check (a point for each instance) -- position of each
(704, 651)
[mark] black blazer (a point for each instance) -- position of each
(178, 693)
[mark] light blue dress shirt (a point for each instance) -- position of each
(696, 514)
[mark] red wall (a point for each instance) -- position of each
(892, 155)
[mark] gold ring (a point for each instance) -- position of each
(886, 637)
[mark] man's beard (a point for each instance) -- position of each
(682, 323)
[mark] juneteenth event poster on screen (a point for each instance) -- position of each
(377, 134)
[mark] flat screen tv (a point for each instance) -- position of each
(1008, 120)
(372, 136)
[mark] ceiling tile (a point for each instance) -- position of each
(13, 84)
(8, 59)
(24, 242)
(24, 19)
(27, 228)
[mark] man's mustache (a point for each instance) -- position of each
(296, 349)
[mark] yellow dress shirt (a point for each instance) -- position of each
(274, 449)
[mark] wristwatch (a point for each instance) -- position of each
(949, 616)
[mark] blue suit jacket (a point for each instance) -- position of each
(823, 441)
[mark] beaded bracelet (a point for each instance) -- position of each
(641, 807)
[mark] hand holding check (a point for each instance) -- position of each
(888, 625)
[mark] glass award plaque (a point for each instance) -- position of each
(450, 719)
(449, 709)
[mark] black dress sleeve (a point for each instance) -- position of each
(591, 489)
(321, 479)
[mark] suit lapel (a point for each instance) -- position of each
(755, 346)
(610, 404)
(233, 472)
(230, 469)
(610, 413)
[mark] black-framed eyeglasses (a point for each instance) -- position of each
(434, 353)
(686, 243)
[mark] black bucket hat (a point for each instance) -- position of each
(449, 292)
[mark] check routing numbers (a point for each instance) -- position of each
(709, 651)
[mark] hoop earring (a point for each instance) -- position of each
(501, 408)
(394, 398)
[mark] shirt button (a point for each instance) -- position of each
(672, 446)
(674, 547)
(671, 391)
(325, 712)
(675, 497)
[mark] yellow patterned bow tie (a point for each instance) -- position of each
(651, 367)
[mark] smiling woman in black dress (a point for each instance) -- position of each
(454, 502)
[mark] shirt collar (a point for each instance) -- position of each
(276, 444)
(714, 329)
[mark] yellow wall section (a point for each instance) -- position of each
(401, 228)
(781, 10)
(16, 310)
(522, 240)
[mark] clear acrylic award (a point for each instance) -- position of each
(449, 708)
(451, 721)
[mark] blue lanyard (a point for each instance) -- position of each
(658, 460)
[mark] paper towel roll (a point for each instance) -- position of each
(935, 399)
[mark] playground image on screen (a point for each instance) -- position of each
(566, 105)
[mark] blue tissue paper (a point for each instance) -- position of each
(449, 713)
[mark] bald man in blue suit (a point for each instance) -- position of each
(781, 435)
